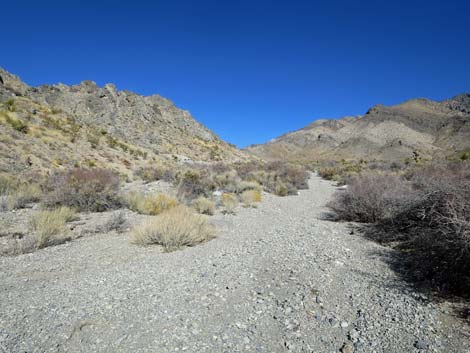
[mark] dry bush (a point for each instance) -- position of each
(150, 204)
(230, 202)
(117, 222)
(173, 229)
(228, 181)
(434, 229)
(426, 216)
(370, 197)
(250, 197)
(155, 173)
(204, 206)
(84, 189)
(330, 173)
(48, 227)
(15, 194)
(291, 174)
(194, 183)
(247, 185)
(24, 195)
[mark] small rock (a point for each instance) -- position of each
(344, 324)
(347, 348)
(420, 344)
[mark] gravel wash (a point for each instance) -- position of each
(276, 279)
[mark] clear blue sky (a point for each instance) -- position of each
(249, 70)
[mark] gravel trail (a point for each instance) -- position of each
(276, 279)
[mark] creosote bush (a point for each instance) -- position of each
(173, 229)
(153, 204)
(204, 206)
(48, 227)
(94, 190)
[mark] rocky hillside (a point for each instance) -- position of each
(53, 126)
(417, 128)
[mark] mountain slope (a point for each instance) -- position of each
(85, 124)
(419, 126)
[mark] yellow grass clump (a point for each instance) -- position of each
(204, 206)
(250, 197)
(175, 228)
(150, 204)
(230, 202)
(48, 227)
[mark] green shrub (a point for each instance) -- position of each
(18, 124)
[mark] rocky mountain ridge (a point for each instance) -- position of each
(418, 126)
(101, 119)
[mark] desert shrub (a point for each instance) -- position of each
(204, 206)
(10, 104)
(116, 222)
(434, 229)
(6, 184)
(247, 185)
(194, 183)
(370, 197)
(427, 216)
(230, 202)
(155, 173)
(244, 170)
(93, 140)
(48, 227)
(329, 173)
(294, 175)
(15, 194)
(153, 204)
(227, 180)
(250, 197)
(84, 189)
(24, 195)
(173, 229)
(18, 124)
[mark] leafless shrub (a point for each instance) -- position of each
(427, 216)
(117, 222)
(370, 197)
(84, 189)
